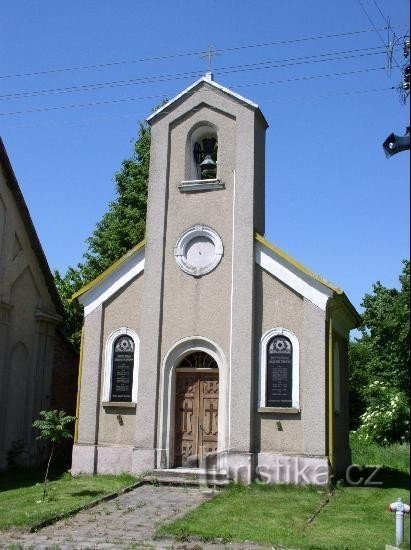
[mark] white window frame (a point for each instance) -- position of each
(184, 240)
(295, 369)
(108, 364)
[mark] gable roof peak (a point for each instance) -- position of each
(207, 79)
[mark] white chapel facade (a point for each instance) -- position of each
(206, 346)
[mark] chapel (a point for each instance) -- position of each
(206, 348)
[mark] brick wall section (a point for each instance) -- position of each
(64, 386)
(65, 374)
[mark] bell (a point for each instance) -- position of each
(208, 162)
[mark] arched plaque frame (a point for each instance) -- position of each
(280, 331)
(108, 364)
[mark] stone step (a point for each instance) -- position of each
(189, 477)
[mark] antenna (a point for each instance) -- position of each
(391, 42)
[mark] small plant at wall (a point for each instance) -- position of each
(53, 427)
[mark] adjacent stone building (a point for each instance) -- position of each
(35, 357)
(206, 346)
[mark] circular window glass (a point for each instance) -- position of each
(198, 250)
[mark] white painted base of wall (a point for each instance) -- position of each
(143, 461)
(293, 469)
(240, 467)
(274, 468)
(100, 459)
(83, 459)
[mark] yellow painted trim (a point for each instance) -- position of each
(80, 370)
(330, 394)
(109, 270)
(259, 238)
(340, 299)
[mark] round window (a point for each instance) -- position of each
(198, 250)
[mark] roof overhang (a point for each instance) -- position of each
(112, 279)
(311, 286)
(322, 293)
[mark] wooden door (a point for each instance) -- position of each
(196, 422)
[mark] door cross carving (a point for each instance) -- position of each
(196, 420)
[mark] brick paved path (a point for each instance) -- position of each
(129, 521)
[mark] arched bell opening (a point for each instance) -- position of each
(202, 148)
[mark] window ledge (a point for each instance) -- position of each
(190, 186)
(118, 404)
(283, 410)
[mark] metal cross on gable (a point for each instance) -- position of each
(209, 54)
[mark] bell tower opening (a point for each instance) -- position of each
(203, 151)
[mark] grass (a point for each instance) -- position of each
(260, 513)
(394, 457)
(21, 491)
(348, 518)
(306, 518)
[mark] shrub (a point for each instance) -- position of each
(385, 419)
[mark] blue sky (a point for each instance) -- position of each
(333, 200)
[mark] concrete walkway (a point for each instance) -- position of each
(129, 521)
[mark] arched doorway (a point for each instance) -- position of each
(165, 447)
(196, 411)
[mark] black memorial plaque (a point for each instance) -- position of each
(279, 372)
(122, 372)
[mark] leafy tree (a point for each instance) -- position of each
(386, 324)
(381, 359)
(53, 428)
(120, 228)
(67, 285)
(359, 357)
(123, 225)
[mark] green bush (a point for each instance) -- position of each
(385, 419)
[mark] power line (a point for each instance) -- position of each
(341, 93)
(192, 53)
(177, 76)
(382, 15)
(75, 122)
(377, 30)
(80, 105)
(387, 22)
(311, 77)
(165, 96)
(372, 22)
(272, 65)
